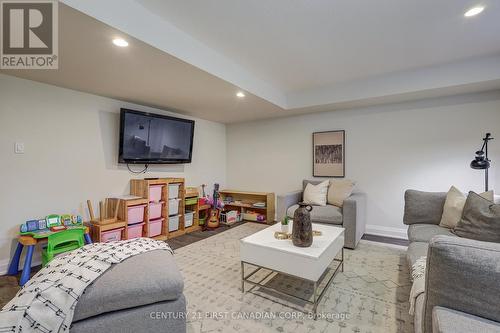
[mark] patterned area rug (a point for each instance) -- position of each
(371, 295)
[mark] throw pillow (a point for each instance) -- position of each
(454, 205)
(339, 190)
(316, 194)
(480, 220)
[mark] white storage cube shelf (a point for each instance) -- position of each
(173, 223)
(173, 191)
(188, 219)
(173, 206)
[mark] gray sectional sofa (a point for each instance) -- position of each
(462, 292)
(351, 216)
(142, 294)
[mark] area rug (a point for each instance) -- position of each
(371, 295)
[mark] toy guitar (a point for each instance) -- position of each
(213, 221)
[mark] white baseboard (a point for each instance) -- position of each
(4, 264)
(392, 246)
(386, 231)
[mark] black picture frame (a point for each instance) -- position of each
(328, 165)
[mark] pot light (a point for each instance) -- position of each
(240, 94)
(474, 11)
(120, 42)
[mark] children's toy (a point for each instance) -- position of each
(42, 224)
(53, 220)
(38, 231)
(58, 228)
(32, 225)
(61, 242)
(213, 221)
(66, 219)
(53, 223)
(229, 217)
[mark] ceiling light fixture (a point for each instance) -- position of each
(474, 11)
(120, 42)
(240, 94)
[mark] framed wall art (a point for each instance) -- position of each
(329, 154)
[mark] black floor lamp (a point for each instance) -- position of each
(481, 162)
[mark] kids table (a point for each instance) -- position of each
(31, 240)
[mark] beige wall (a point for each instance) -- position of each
(425, 145)
(71, 142)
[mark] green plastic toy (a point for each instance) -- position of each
(53, 220)
(60, 242)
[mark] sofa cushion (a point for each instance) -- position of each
(339, 190)
(425, 232)
(310, 181)
(454, 206)
(139, 280)
(445, 320)
(316, 194)
(480, 220)
(321, 214)
(423, 207)
(416, 250)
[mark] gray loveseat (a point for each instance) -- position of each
(141, 294)
(351, 216)
(461, 288)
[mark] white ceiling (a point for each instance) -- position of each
(289, 56)
(140, 73)
(299, 45)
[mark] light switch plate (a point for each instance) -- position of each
(19, 148)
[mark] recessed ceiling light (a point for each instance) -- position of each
(240, 94)
(474, 11)
(120, 42)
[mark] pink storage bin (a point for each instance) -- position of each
(155, 193)
(155, 227)
(111, 235)
(155, 210)
(136, 214)
(135, 231)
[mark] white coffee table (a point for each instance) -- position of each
(312, 263)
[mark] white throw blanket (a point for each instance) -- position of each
(418, 277)
(47, 302)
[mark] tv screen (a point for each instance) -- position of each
(154, 139)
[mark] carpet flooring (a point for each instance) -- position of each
(371, 295)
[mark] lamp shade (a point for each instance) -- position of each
(480, 162)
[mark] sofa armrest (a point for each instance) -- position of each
(286, 200)
(354, 218)
(462, 274)
(450, 321)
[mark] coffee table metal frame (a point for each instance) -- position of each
(316, 298)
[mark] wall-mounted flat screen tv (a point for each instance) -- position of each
(148, 138)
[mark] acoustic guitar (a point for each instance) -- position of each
(213, 221)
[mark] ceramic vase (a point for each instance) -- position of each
(302, 227)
